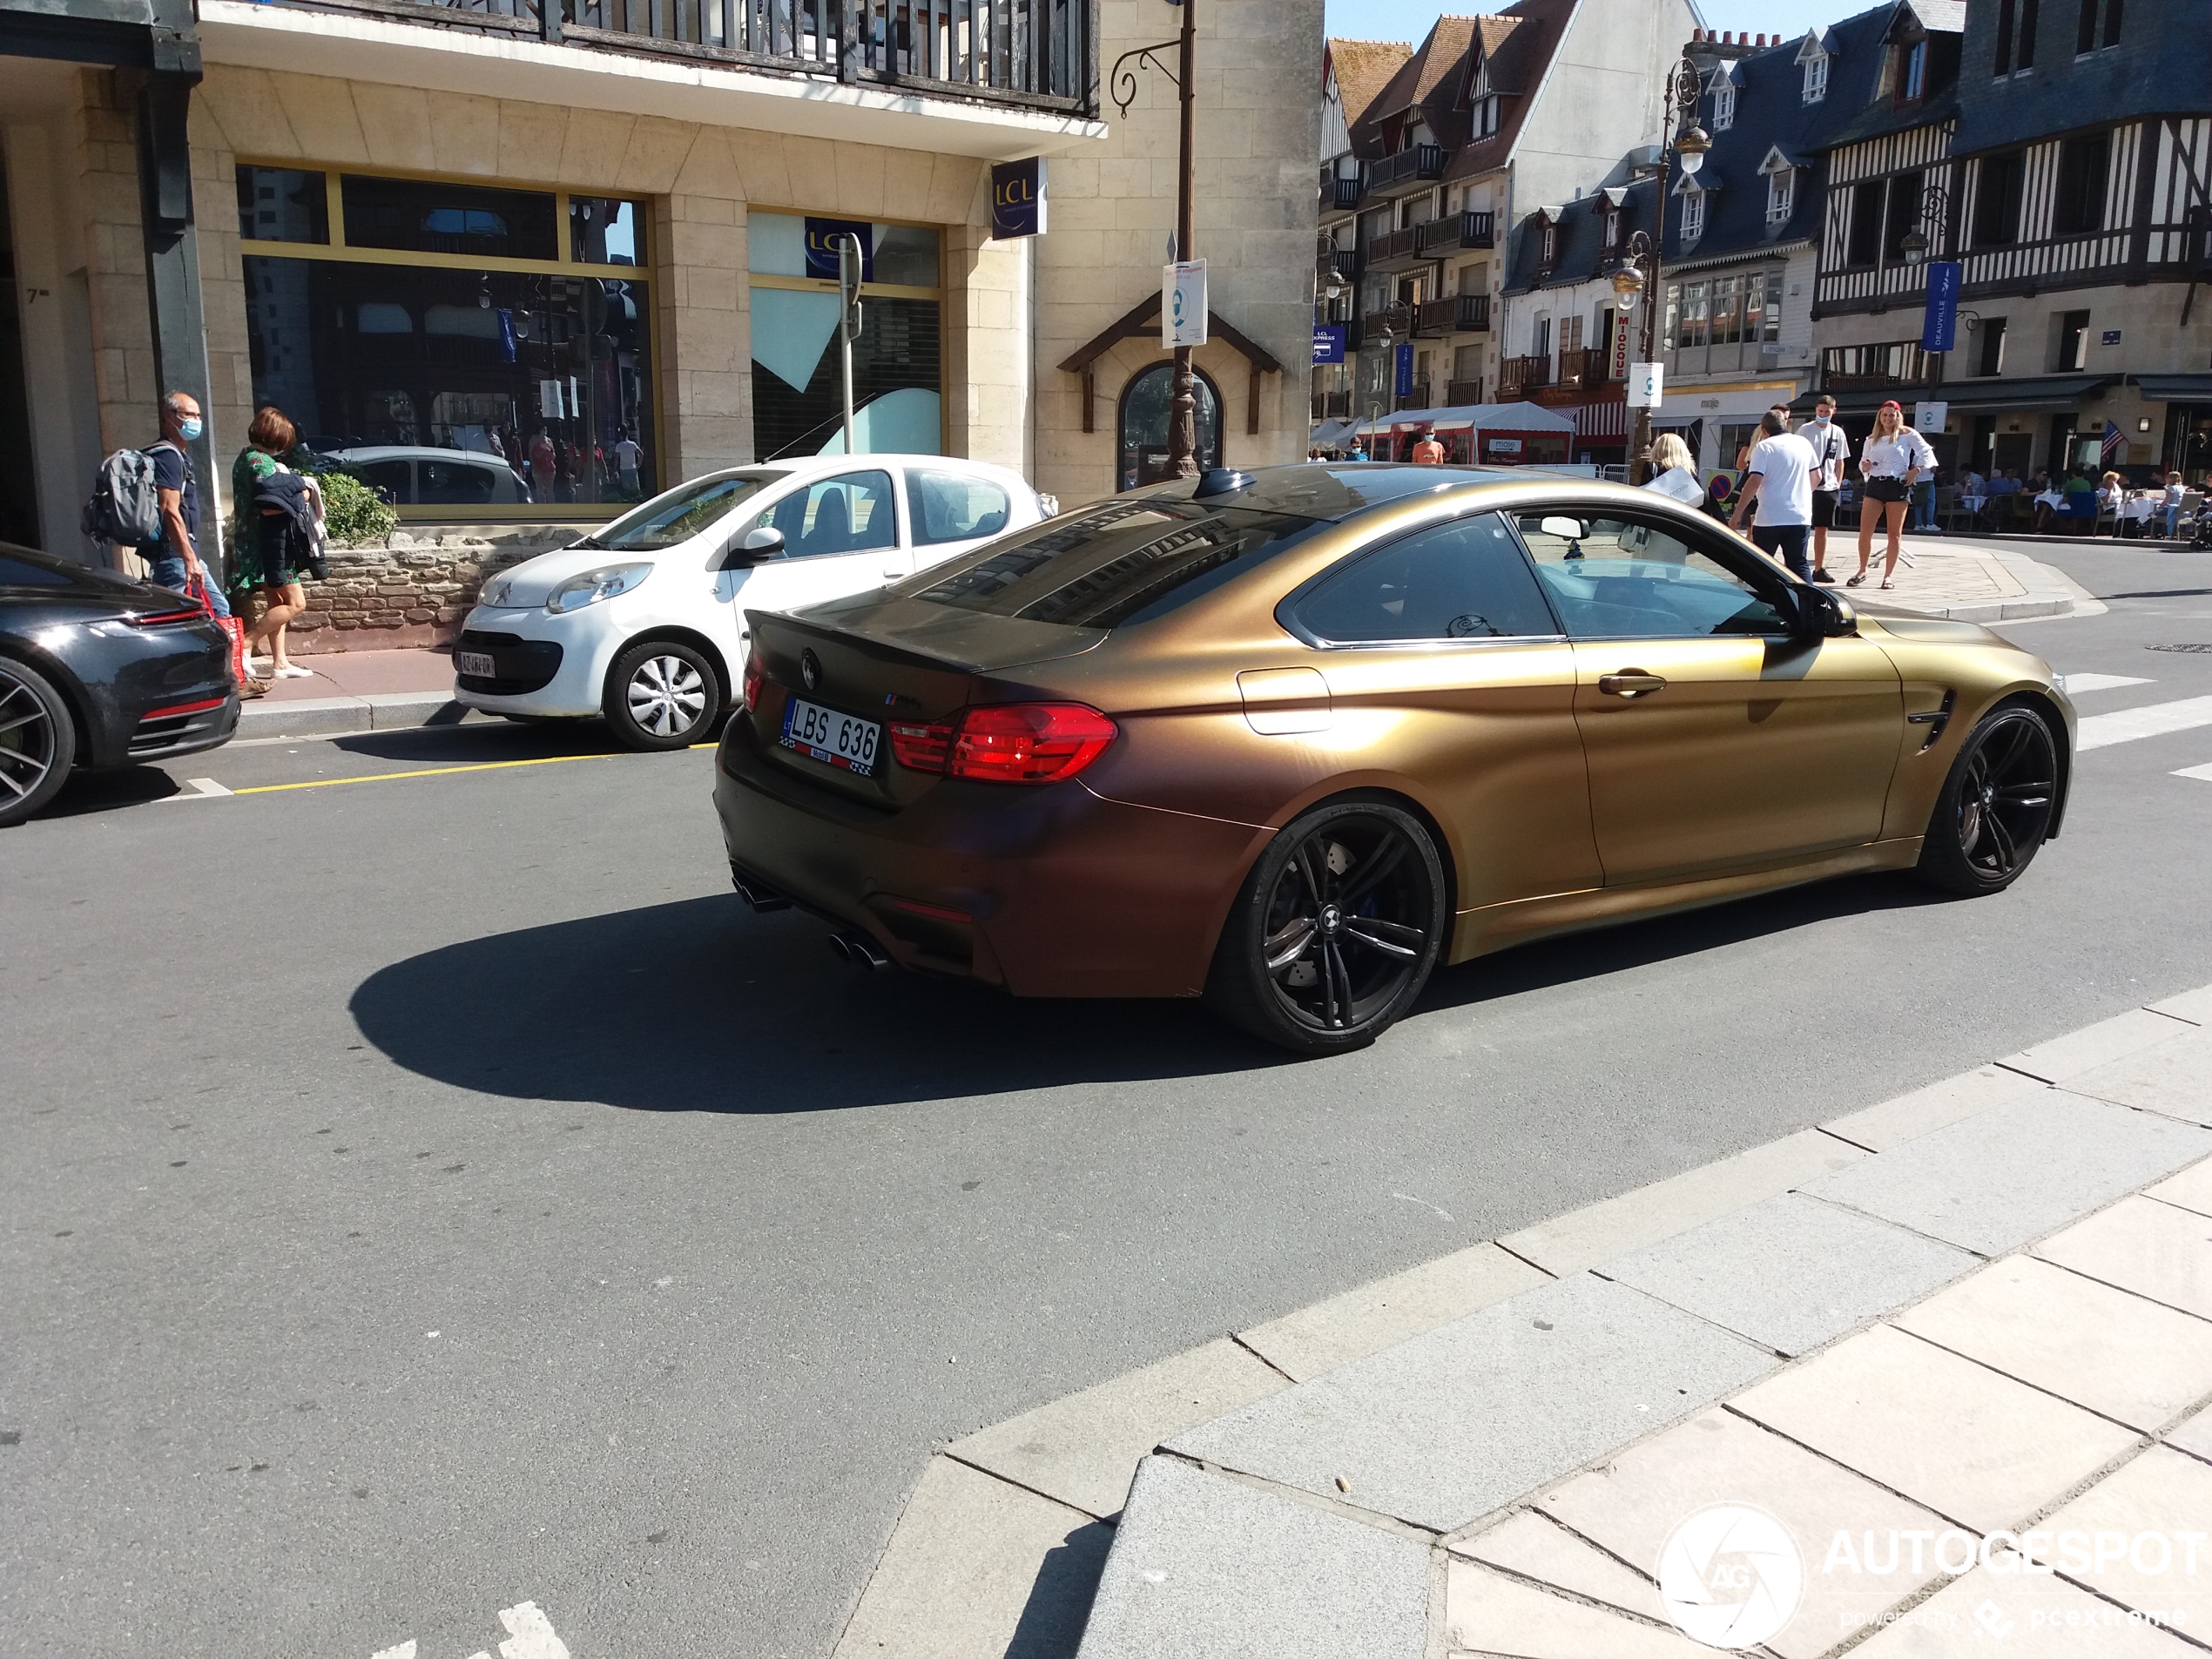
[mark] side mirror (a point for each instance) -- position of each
(1568, 530)
(1824, 615)
(759, 544)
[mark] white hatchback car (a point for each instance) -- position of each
(644, 622)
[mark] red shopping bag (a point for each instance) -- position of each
(232, 629)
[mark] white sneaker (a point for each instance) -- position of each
(293, 671)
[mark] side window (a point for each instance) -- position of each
(455, 484)
(1624, 578)
(1465, 580)
(949, 508)
(851, 513)
(395, 479)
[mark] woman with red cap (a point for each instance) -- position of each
(1891, 458)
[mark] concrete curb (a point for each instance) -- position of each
(2048, 591)
(1001, 1549)
(324, 716)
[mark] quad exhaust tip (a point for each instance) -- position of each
(860, 950)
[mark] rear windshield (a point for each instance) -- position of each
(678, 516)
(1119, 564)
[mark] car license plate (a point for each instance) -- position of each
(477, 664)
(837, 739)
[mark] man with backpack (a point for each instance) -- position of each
(173, 559)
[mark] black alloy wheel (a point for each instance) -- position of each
(37, 741)
(1336, 931)
(1996, 805)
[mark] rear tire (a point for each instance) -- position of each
(662, 695)
(1996, 805)
(37, 741)
(1335, 932)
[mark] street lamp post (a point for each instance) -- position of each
(1684, 82)
(1916, 243)
(1183, 412)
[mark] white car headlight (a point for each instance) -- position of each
(496, 591)
(595, 585)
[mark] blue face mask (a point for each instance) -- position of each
(189, 428)
(1820, 419)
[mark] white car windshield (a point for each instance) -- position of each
(681, 513)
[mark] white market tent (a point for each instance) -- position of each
(1473, 417)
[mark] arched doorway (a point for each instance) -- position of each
(1143, 424)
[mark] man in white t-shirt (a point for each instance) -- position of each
(1778, 477)
(1830, 454)
(627, 455)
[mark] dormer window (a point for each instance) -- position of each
(1723, 107)
(1550, 255)
(1613, 228)
(1916, 71)
(1812, 57)
(1780, 188)
(1483, 101)
(1693, 213)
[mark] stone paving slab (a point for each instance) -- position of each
(1461, 1421)
(1629, 1506)
(1208, 1566)
(1597, 1232)
(1975, 1447)
(2161, 1492)
(1894, 1122)
(1790, 1272)
(2190, 1190)
(2116, 1354)
(1374, 1316)
(2118, 1038)
(1083, 1448)
(2193, 1436)
(1532, 1546)
(2173, 1077)
(976, 1565)
(1993, 1180)
(1984, 1615)
(2142, 1245)
(2194, 1005)
(1487, 1613)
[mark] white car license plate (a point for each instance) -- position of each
(827, 735)
(476, 664)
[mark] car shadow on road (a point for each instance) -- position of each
(107, 792)
(479, 740)
(703, 1006)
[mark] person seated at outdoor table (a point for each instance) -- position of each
(2111, 497)
(2006, 482)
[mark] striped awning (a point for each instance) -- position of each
(1600, 420)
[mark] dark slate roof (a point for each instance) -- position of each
(1770, 113)
(1859, 75)
(1582, 252)
(1519, 44)
(2161, 66)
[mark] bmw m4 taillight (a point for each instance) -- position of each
(1007, 743)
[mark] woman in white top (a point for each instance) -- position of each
(1890, 460)
(1674, 471)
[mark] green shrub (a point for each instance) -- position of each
(354, 513)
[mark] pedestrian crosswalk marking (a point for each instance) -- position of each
(2156, 720)
(2075, 684)
(530, 1636)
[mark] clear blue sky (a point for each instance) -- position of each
(1409, 20)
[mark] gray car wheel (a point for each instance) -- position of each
(37, 741)
(662, 695)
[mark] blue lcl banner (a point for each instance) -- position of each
(1328, 342)
(1018, 199)
(1404, 383)
(822, 247)
(1940, 325)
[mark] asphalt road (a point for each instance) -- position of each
(428, 1194)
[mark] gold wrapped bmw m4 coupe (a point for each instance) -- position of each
(1288, 740)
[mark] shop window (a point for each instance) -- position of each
(453, 389)
(897, 357)
(1146, 403)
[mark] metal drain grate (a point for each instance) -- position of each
(2195, 650)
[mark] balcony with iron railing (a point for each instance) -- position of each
(1457, 393)
(1416, 398)
(1033, 54)
(1458, 314)
(1333, 406)
(1408, 170)
(1341, 266)
(1519, 374)
(1339, 194)
(1455, 232)
(1395, 320)
(1394, 249)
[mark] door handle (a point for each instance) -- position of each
(1632, 683)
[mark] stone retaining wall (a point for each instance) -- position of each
(416, 589)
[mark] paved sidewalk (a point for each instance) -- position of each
(1966, 579)
(1834, 1383)
(356, 691)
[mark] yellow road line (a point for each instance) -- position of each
(433, 771)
